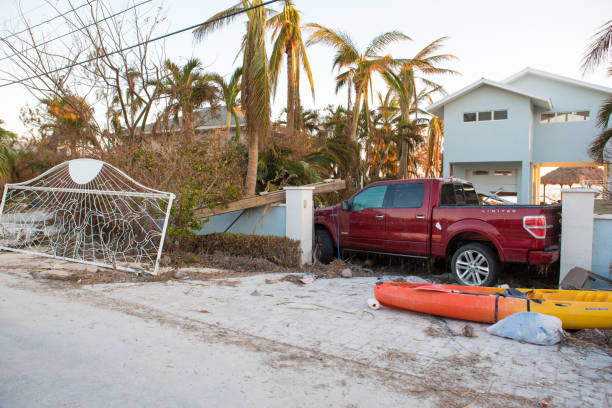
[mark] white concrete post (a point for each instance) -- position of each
(299, 218)
(576, 229)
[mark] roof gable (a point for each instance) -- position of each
(559, 78)
(437, 108)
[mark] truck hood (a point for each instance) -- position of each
(325, 210)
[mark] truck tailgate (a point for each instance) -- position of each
(506, 226)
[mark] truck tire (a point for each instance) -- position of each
(324, 245)
(475, 264)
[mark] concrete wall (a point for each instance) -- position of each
(564, 141)
(252, 221)
(300, 219)
(576, 229)
(602, 245)
(586, 238)
(292, 220)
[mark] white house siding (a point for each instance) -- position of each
(564, 142)
(490, 142)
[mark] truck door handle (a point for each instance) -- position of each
(420, 217)
(379, 216)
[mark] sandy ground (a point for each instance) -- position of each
(261, 341)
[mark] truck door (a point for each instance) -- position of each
(363, 227)
(407, 219)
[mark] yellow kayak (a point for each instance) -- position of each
(577, 309)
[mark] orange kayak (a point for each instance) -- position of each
(576, 309)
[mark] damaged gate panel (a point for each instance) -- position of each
(86, 211)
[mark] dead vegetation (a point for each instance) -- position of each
(275, 250)
(591, 338)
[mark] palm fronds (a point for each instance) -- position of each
(599, 49)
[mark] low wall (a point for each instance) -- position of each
(586, 235)
(292, 220)
(257, 220)
(602, 247)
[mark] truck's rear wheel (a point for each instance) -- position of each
(475, 264)
(324, 245)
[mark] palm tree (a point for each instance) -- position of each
(435, 130)
(187, 89)
(599, 53)
(277, 170)
(229, 94)
(409, 133)
(360, 66)
(255, 85)
(7, 153)
(403, 83)
(287, 35)
(384, 152)
(337, 156)
(72, 124)
(310, 121)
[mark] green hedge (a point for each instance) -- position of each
(279, 250)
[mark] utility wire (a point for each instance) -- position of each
(47, 21)
(75, 31)
(161, 37)
(28, 11)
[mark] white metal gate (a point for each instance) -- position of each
(86, 211)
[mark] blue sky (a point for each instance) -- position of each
(492, 39)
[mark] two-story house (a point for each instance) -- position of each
(499, 134)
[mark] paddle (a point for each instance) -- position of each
(435, 288)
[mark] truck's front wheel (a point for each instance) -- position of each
(324, 246)
(475, 264)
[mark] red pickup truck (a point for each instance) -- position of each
(427, 218)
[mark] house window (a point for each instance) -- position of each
(500, 114)
(547, 117)
(480, 173)
(469, 117)
(580, 115)
(555, 117)
(562, 116)
(503, 172)
(484, 115)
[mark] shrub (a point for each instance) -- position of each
(280, 250)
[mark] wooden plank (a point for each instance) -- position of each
(321, 188)
(603, 207)
(266, 199)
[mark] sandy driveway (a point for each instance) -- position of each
(254, 341)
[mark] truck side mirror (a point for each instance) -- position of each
(346, 206)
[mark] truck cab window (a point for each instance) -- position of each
(471, 198)
(447, 195)
(372, 197)
(407, 195)
(459, 197)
